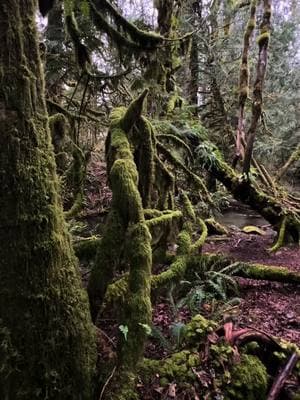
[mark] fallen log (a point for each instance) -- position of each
(277, 208)
(252, 271)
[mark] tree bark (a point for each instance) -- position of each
(47, 340)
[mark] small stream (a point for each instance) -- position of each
(241, 218)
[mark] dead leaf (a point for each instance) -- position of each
(172, 390)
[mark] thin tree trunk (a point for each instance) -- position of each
(47, 341)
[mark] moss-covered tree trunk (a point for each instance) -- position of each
(47, 346)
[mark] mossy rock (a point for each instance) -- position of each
(178, 367)
(249, 380)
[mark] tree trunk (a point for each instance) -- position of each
(47, 341)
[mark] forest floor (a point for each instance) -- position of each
(269, 306)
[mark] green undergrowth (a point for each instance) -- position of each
(209, 365)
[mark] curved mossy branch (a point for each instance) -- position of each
(268, 273)
(133, 112)
(173, 274)
(177, 141)
(281, 236)
(177, 163)
(146, 40)
(196, 247)
(163, 219)
(188, 209)
(244, 269)
(130, 233)
(120, 40)
(144, 138)
(295, 156)
(52, 106)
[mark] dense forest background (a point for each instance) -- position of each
(150, 199)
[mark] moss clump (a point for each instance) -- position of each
(249, 380)
(177, 367)
(196, 331)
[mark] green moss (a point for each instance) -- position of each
(174, 101)
(87, 248)
(188, 209)
(117, 291)
(265, 272)
(197, 330)
(249, 380)
(281, 236)
(163, 219)
(215, 228)
(175, 272)
(263, 38)
(177, 367)
(47, 341)
(184, 242)
(196, 247)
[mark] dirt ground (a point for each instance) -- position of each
(269, 306)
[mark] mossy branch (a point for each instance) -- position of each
(281, 236)
(133, 112)
(295, 156)
(197, 181)
(196, 247)
(163, 219)
(177, 141)
(148, 40)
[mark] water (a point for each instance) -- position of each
(242, 218)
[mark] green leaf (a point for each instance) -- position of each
(147, 328)
(124, 330)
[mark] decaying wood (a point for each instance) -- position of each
(282, 376)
